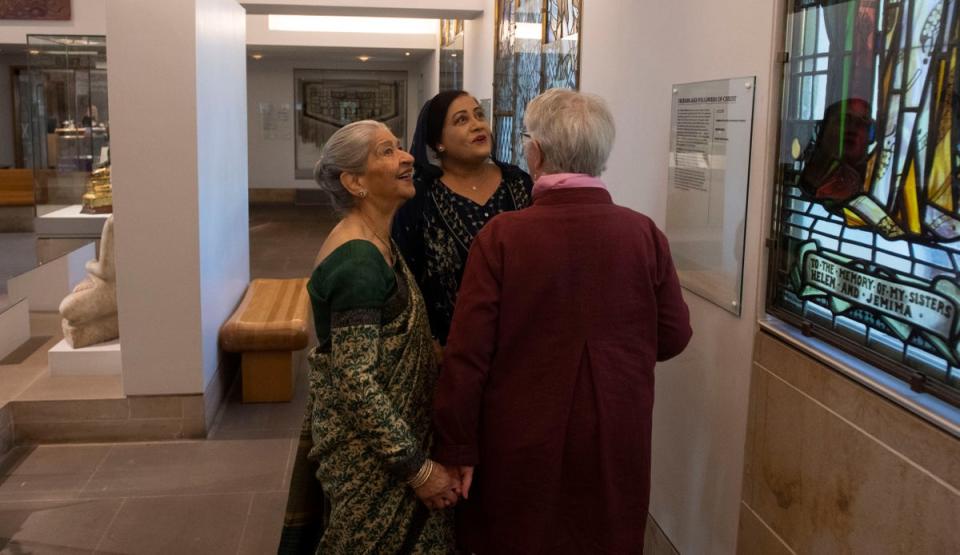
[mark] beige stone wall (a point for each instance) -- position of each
(832, 467)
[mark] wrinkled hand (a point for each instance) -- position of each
(441, 490)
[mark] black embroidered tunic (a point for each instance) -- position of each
(434, 231)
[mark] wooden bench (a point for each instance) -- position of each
(267, 329)
(16, 187)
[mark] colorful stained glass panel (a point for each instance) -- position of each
(538, 48)
(868, 228)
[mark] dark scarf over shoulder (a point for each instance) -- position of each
(419, 147)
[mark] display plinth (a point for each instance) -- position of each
(69, 221)
(101, 359)
(47, 284)
(14, 327)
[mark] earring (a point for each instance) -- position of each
(440, 148)
(363, 193)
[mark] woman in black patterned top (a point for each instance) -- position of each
(459, 188)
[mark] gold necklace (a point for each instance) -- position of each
(386, 244)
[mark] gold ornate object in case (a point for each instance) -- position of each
(99, 196)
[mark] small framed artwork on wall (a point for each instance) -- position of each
(49, 10)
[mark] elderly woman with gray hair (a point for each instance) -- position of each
(373, 372)
(545, 401)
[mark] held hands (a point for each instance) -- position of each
(441, 488)
(445, 485)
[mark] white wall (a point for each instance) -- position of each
(155, 195)
(88, 18)
(478, 54)
(174, 68)
(632, 54)
(221, 108)
(429, 71)
(271, 160)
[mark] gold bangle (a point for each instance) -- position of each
(422, 475)
(419, 478)
(425, 471)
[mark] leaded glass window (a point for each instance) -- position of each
(451, 54)
(866, 249)
(537, 48)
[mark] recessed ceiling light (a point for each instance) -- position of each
(454, 55)
(257, 56)
(34, 52)
(406, 53)
(363, 58)
(351, 24)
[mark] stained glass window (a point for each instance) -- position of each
(866, 250)
(538, 48)
(451, 54)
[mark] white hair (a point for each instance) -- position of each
(575, 131)
(346, 151)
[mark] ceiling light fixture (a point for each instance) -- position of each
(257, 56)
(406, 53)
(351, 24)
(453, 55)
(34, 52)
(363, 58)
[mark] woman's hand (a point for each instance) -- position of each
(441, 489)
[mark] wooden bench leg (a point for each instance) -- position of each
(267, 376)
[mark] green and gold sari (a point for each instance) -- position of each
(368, 413)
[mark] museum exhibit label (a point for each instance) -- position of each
(708, 179)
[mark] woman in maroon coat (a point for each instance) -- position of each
(547, 388)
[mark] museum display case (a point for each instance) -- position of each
(70, 138)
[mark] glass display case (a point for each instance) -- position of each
(69, 136)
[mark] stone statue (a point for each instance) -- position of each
(90, 312)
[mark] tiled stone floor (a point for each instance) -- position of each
(225, 494)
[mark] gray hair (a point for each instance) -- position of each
(575, 131)
(346, 151)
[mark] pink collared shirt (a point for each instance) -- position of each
(566, 181)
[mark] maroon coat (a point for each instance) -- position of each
(547, 384)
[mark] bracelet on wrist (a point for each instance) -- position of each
(422, 475)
